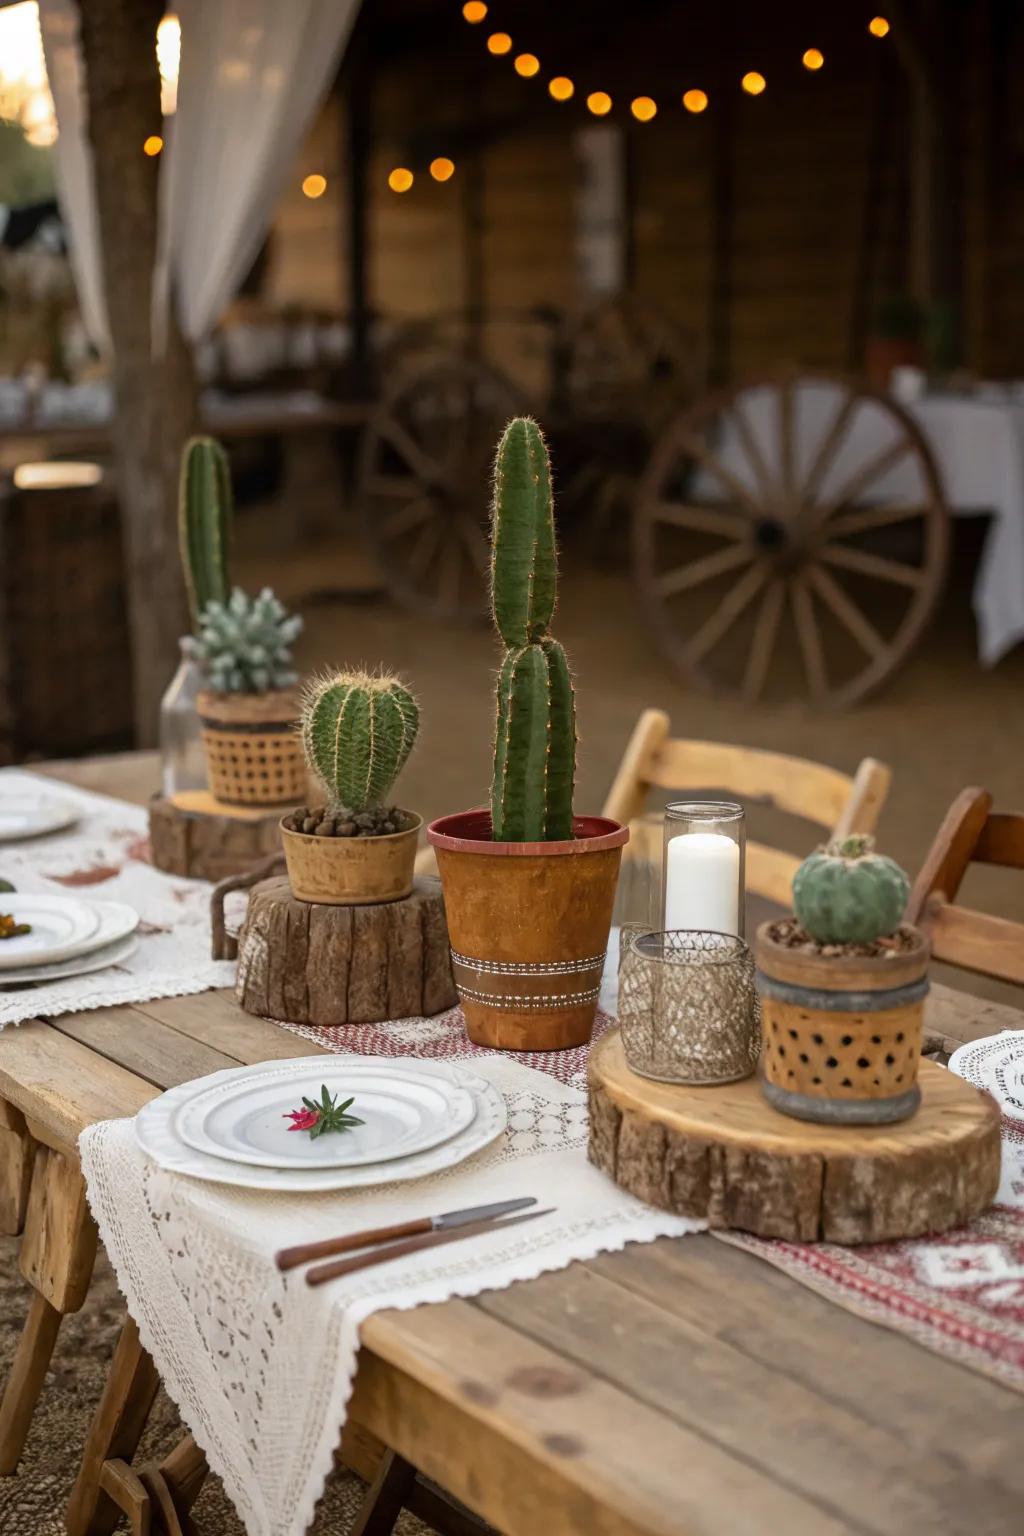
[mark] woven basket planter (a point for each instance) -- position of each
(841, 1034)
(253, 752)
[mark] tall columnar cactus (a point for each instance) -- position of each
(848, 894)
(358, 729)
(205, 509)
(535, 735)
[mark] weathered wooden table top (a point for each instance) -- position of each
(676, 1387)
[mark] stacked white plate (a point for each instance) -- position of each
(28, 815)
(234, 1127)
(67, 936)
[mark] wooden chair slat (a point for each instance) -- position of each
(1001, 840)
(804, 789)
(977, 941)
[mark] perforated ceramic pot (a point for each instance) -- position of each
(253, 753)
(528, 924)
(841, 1035)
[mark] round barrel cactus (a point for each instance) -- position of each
(848, 894)
(358, 729)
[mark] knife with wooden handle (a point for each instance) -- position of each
(339, 1267)
(304, 1253)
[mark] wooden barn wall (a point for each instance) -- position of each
(812, 213)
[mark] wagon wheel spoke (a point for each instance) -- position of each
(398, 486)
(475, 543)
(787, 440)
(762, 646)
(878, 566)
(880, 465)
(685, 514)
(424, 550)
(752, 449)
(828, 448)
(847, 612)
(869, 518)
(696, 572)
(407, 518)
(421, 462)
(696, 449)
(809, 638)
(728, 611)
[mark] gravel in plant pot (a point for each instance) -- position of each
(249, 708)
(528, 886)
(358, 729)
(842, 986)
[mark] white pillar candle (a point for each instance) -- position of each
(702, 881)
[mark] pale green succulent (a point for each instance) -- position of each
(244, 645)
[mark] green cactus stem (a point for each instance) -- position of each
(358, 729)
(205, 510)
(535, 732)
(848, 894)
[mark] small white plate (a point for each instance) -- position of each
(31, 815)
(156, 1135)
(108, 922)
(60, 926)
(78, 965)
(247, 1121)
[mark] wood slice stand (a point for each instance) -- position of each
(193, 834)
(307, 963)
(724, 1154)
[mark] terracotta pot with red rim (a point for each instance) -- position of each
(528, 924)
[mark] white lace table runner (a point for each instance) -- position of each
(105, 854)
(259, 1364)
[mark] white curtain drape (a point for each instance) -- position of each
(58, 23)
(253, 74)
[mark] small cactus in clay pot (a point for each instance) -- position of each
(846, 893)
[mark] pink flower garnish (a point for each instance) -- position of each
(302, 1119)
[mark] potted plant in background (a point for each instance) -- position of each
(358, 729)
(842, 987)
(248, 710)
(528, 886)
(895, 339)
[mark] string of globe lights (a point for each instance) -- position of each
(561, 88)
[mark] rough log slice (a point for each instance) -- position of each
(313, 964)
(724, 1154)
(197, 836)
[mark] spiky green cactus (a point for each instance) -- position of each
(358, 729)
(848, 894)
(205, 509)
(244, 645)
(535, 735)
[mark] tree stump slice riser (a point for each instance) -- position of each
(210, 844)
(306, 963)
(722, 1154)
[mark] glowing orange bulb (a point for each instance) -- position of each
(643, 108)
(753, 83)
(499, 42)
(400, 179)
(695, 101)
(314, 186)
(474, 11)
(153, 145)
(442, 169)
(813, 58)
(600, 103)
(561, 88)
(527, 64)
(878, 26)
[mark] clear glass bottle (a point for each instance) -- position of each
(182, 761)
(703, 878)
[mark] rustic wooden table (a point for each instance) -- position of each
(676, 1387)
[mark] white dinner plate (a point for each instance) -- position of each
(60, 925)
(247, 1120)
(77, 965)
(25, 815)
(156, 1134)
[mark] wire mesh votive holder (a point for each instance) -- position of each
(688, 1007)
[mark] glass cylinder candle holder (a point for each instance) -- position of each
(688, 1008)
(702, 866)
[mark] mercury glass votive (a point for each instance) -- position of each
(703, 866)
(688, 1008)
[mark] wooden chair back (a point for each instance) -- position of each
(971, 833)
(838, 803)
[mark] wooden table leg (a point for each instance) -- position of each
(385, 1497)
(117, 1425)
(25, 1382)
(16, 1154)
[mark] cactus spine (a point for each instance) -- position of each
(358, 729)
(204, 523)
(535, 734)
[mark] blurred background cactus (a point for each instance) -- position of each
(535, 736)
(244, 645)
(205, 510)
(358, 729)
(848, 894)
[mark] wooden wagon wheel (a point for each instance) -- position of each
(802, 513)
(424, 482)
(626, 359)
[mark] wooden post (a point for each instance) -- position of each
(358, 87)
(155, 400)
